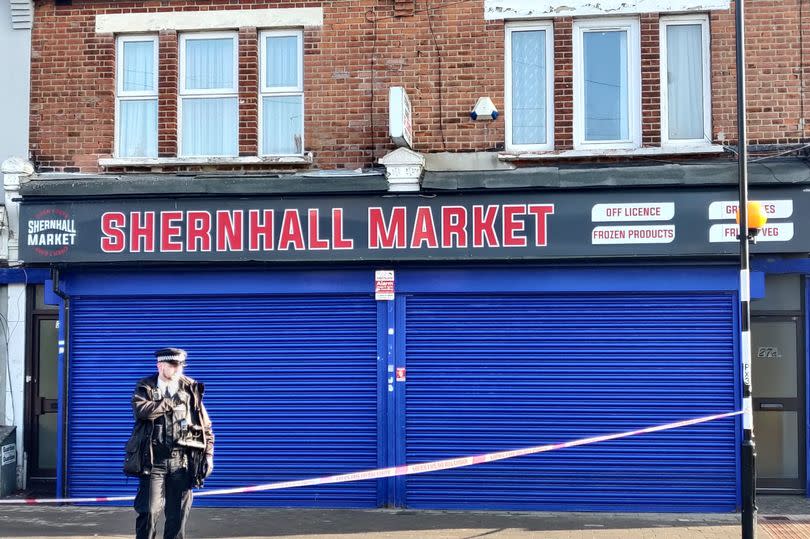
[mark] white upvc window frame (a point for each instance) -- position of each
(672, 20)
(130, 95)
(281, 91)
(527, 26)
(631, 26)
(184, 93)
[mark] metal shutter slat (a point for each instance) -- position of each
(488, 373)
(291, 385)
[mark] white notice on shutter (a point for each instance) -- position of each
(384, 285)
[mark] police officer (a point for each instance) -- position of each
(172, 445)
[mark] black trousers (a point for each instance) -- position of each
(167, 487)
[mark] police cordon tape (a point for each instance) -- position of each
(394, 471)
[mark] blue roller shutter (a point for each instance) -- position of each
(291, 385)
(488, 373)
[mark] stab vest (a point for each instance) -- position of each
(171, 429)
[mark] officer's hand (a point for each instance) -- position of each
(209, 460)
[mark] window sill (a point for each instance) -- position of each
(305, 159)
(639, 152)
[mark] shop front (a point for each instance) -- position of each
(351, 332)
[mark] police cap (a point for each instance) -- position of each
(171, 355)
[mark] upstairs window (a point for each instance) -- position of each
(529, 86)
(607, 84)
(208, 101)
(685, 80)
(136, 96)
(282, 93)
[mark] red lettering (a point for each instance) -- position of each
(198, 231)
(608, 234)
(454, 224)
(142, 231)
(315, 243)
(541, 213)
(511, 226)
(291, 233)
(654, 211)
(229, 230)
(170, 232)
(260, 229)
(382, 236)
(114, 239)
(483, 226)
(338, 241)
(424, 230)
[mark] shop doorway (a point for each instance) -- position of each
(777, 351)
(41, 377)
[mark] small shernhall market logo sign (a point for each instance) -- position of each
(51, 232)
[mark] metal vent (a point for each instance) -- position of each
(22, 14)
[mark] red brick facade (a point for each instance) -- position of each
(446, 56)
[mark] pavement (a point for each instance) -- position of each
(781, 517)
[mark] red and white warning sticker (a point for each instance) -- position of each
(409, 469)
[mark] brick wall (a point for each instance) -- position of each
(650, 80)
(446, 57)
(774, 63)
(167, 94)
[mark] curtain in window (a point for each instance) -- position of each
(210, 126)
(529, 87)
(606, 86)
(282, 131)
(281, 66)
(209, 64)
(137, 128)
(138, 66)
(685, 81)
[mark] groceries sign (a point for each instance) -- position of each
(489, 226)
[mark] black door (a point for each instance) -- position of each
(778, 400)
(42, 389)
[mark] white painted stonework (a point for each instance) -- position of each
(13, 170)
(305, 159)
(15, 389)
(531, 9)
(403, 169)
(208, 20)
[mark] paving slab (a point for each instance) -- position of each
(67, 522)
(781, 517)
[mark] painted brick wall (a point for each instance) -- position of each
(446, 56)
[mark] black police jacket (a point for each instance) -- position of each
(147, 407)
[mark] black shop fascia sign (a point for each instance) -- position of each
(469, 226)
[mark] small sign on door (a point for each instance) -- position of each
(384, 285)
(400, 374)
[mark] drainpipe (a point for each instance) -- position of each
(62, 384)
